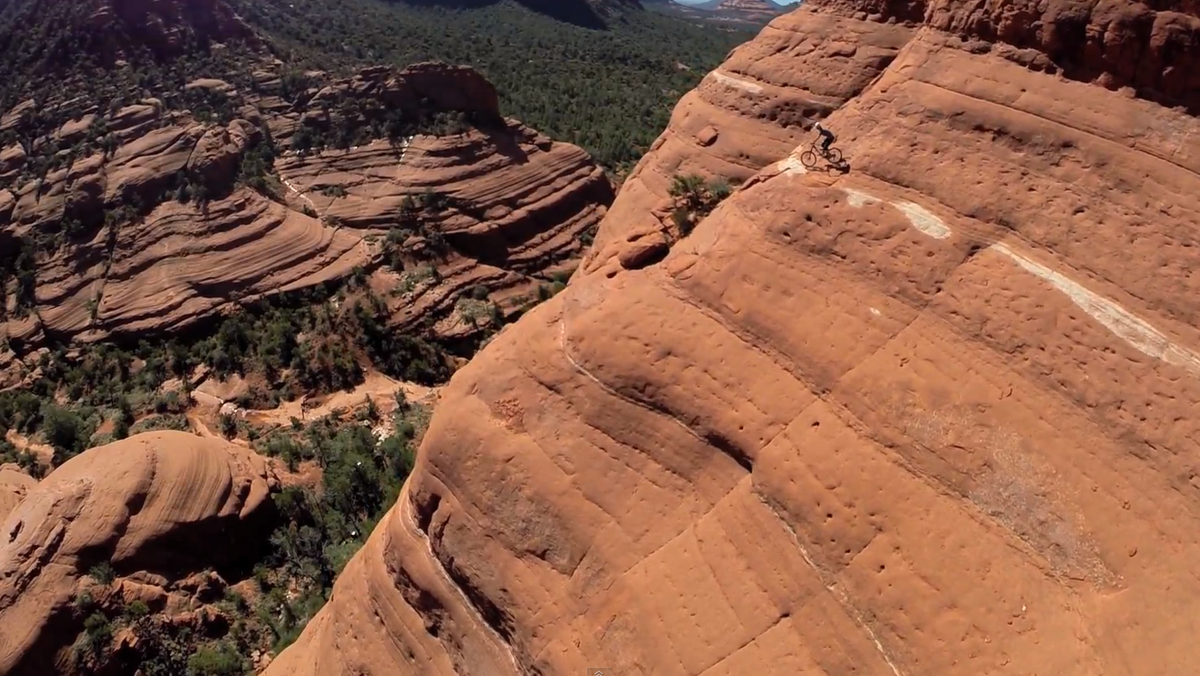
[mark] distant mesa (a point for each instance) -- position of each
(755, 12)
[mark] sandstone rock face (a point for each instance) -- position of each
(930, 416)
(748, 113)
(149, 502)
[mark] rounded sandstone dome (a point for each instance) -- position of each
(150, 502)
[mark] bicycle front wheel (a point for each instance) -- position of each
(834, 156)
(808, 158)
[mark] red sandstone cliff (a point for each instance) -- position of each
(931, 416)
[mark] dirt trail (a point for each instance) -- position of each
(43, 452)
(377, 386)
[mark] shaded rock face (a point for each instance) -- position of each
(147, 504)
(930, 416)
(165, 259)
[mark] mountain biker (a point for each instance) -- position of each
(827, 137)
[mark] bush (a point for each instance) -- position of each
(103, 573)
(719, 189)
(170, 402)
(136, 609)
(97, 633)
(66, 432)
(229, 426)
(690, 189)
(694, 199)
(217, 659)
(160, 422)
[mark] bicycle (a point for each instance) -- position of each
(809, 157)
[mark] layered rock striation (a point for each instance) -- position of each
(169, 224)
(928, 416)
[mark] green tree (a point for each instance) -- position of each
(66, 431)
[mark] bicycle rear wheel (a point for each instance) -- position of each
(834, 156)
(808, 158)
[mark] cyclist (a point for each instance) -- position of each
(827, 137)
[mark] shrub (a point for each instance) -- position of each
(103, 573)
(65, 431)
(719, 189)
(97, 633)
(136, 609)
(160, 422)
(689, 188)
(229, 426)
(220, 658)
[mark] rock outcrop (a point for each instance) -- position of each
(189, 233)
(930, 416)
(149, 504)
(14, 484)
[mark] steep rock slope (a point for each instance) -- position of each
(932, 416)
(149, 504)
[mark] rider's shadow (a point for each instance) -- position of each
(842, 167)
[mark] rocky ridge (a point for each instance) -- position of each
(197, 224)
(899, 420)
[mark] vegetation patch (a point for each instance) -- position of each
(694, 198)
